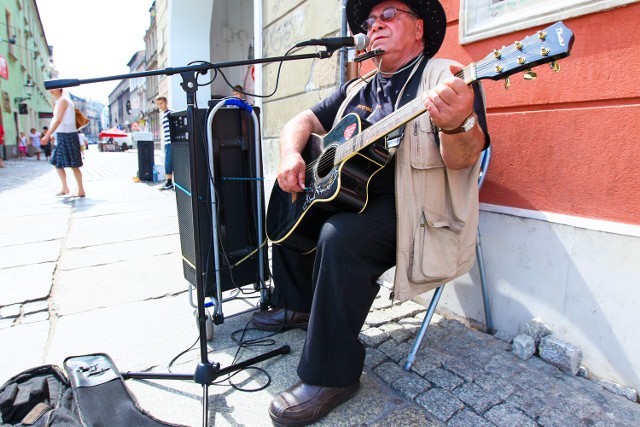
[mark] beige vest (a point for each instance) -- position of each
(437, 208)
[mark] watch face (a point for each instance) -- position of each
(469, 123)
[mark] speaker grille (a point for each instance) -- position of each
(182, 182)
(234, 167)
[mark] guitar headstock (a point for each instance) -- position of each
(546, 46)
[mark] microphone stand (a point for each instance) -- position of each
(188, 78)
(206, 372)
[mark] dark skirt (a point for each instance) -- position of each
(67, 154)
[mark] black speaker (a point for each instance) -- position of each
(145, 160)
(235, 184)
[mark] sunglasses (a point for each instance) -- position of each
(387, 15)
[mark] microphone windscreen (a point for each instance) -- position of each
(360, 41)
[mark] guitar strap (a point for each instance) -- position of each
(409, 93)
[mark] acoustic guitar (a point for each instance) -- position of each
(340, 165)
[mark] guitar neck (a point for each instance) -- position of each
(383, 127)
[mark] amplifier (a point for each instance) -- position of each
(235, 186)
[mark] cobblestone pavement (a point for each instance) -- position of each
(104, 274)
(464, 377)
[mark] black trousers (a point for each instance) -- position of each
(337, 284)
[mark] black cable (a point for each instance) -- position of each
(224, 77)
(181, 354)
(228, 377)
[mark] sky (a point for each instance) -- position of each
(93, 39)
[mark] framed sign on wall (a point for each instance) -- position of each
(482, 19)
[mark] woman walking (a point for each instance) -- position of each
(66, 153)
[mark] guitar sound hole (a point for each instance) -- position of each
(325, 162)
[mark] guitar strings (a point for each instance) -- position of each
(401, 115)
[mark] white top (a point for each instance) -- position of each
(68, 122)
(35, 139)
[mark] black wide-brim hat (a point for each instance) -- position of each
(430, 11)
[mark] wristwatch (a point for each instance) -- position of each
(468, 124)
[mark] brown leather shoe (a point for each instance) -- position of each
(304, 404)
(276, 319)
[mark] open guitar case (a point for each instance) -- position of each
(91, 394)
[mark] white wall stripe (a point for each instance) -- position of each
(580, 222)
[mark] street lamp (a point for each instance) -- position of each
(28, 87)
(12, 40)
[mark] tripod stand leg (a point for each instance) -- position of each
(205, 405)
(205, 374)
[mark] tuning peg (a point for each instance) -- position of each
(530, 75)
(519, 45)
(507, 83)
(555, 66)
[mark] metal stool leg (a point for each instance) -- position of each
(483, 284)
(411, 358)
(423, 329)
(484, 165)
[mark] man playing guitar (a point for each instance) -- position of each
(421, 210)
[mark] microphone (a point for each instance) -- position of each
(359, 41)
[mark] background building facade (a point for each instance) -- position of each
(25, 63)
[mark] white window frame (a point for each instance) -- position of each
(483, 19)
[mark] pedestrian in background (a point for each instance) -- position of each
(22, 145)
(34, 143)
(66, 153)
(238, 92)
(46, 148)
(83, 142)
(161, 102)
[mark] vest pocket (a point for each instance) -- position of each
(425, 152)
(434, 251)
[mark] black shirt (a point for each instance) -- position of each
(375, 100)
